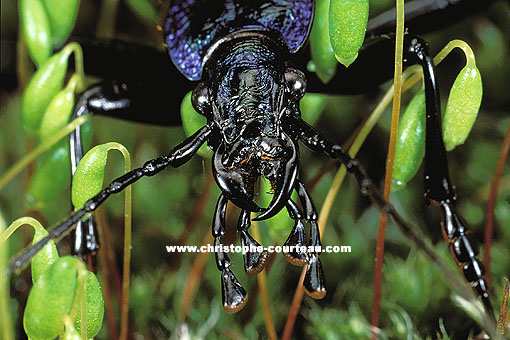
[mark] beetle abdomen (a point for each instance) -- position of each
(192, 27)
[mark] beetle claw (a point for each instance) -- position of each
(254, 261)
(296, 239)
(233, 294)
(314, 278)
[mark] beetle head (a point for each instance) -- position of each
(247, 106)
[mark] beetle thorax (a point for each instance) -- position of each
(247, 91)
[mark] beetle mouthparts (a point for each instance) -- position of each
(238, 184)
(284, 181)
(232, 182)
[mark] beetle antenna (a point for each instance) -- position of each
(180, 155)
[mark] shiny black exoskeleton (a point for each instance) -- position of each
(243, 54)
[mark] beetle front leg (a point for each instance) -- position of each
(314, 279)
(297, 237)
(232, 292)
(138, 99)
(254, 261)
(135, 97)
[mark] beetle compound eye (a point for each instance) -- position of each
(200, 99)
(192, 121)
(296, 82)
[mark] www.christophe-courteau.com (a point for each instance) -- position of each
(252, 249)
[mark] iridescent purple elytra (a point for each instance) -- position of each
(192, 27)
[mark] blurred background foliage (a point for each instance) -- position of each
(176, 206)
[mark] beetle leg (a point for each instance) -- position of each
(232, 292)
(438, 188)
(297, 237)
(137, 98)
(85, 238)
(314, 279)
(133, 99)
(254, 260)
(462, 246)
(179, 156)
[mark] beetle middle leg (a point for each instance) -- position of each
(365, 74)
(126, 93)
(438, 187)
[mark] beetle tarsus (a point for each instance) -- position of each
(439, 190)
(314, 283)
(297, 237)
(254, 260)
(314, 278)
(233, 294)
(85, 239)
(464, 249)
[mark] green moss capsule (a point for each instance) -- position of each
(347, 26)
(410, 147)
(145, 10)
(462, 108)
(36, 30)
(58, 112)
(95, 307)
(62, 16)
(323, 56)
(50, 299)
(55, 165)
(193, 121)
(41, 89)
(45, 257)
(311, 107)
(89, 175)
